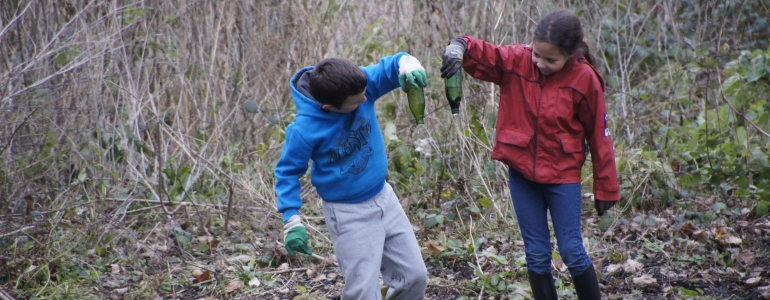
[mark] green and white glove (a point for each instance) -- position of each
(410, 70)
(295, 236)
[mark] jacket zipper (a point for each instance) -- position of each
(537, 129)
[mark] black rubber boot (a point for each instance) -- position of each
(586, 285)
(542, 286)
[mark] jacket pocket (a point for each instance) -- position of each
(572, 145)
(513, 137)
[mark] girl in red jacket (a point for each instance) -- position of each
(551, 104)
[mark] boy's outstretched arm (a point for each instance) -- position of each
(393, 71)
(290, 167)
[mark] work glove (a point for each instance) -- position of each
(602, 206)
(411, 71)
(295, 236)
(453, 58)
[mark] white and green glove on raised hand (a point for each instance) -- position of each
(295, 236)
(411, 71)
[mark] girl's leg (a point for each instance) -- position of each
(565, 202)
(531, 212)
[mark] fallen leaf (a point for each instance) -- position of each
(319, 278)
(234, 285)
(746, 257)
(240, 259)
(115, 269)
(614, 268)
(205, 238)
(724, 237)
(631, 266)
(688, 229)
(645, 280)
(283, 267)
(159, 248)
(201, 276)
(254, 282)
(433, 249)
(753, 280)
(702, 235)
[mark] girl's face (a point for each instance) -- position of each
(548, 58)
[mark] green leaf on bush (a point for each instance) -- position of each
(485, 202)
(743, 182)
(761, 209)
(731, 83)
(431, 221)
(250, 106)
(605, 222)
(687, 292)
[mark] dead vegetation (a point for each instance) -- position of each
(130, 168)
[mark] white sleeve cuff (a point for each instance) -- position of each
(295, 220)
(407, 64)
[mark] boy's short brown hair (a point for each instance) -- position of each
(335, 79)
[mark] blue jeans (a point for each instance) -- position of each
(532, 201)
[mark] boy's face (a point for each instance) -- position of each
(548, 58)
(350, 104)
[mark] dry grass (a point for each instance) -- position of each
(122, 121)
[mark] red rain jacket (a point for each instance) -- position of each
(543, 122)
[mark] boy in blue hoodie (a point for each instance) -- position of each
(336, 127)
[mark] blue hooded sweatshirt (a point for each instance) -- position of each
(347, 149)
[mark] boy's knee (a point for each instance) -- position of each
(421, 276)
(417, 273)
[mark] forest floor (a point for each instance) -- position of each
(715, 253)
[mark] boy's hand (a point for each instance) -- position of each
(295, 236)
(410, 70)
(602, 206)
(453, 58)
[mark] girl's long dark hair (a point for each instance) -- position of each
(563, 29)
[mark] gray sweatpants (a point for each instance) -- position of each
(373, 236)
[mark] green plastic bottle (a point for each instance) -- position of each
(454, 91)
(416, 99)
